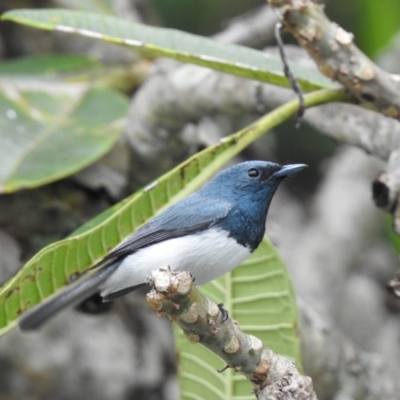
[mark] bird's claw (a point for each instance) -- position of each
(225, 314)
(223, 369)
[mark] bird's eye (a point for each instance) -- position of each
(253, 173)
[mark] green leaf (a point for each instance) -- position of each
(164, 42)
(54, 265)
(46, 136)
(259, 295)
(48, 66)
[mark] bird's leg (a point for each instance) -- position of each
(225, 314)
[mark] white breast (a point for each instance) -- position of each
(207, 255)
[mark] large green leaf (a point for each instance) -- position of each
(259, 295)
(46, 134)
(181, 46)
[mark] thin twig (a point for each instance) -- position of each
(288, 73)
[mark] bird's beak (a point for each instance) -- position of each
(289, 169)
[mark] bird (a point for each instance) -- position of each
(208, 233)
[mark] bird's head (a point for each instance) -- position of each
(249, 188)
(253, 181)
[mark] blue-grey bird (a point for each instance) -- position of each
(207, 233)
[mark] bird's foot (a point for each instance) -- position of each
(192, 276)
(223, 369)
(225, 314)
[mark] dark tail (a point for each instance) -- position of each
(72, 295)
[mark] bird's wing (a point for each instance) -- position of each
(182, 219)
(179, 220)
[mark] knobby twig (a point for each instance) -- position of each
(202, 321)
(337, 57)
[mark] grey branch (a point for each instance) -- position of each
(273, 376)
(339, 221)
(336, 56)
(338, 369)
(386, 188)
